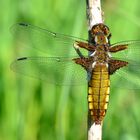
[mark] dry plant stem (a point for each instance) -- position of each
(94, 16)
(94, 12)
(95, 132)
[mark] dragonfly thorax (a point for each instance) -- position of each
(101, 54)
(101, 39)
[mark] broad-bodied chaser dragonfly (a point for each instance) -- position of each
(85, 61)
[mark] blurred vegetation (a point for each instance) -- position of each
(33, 110)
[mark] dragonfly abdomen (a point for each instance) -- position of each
(98, 92)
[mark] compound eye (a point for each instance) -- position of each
(106, 31)
(95, 30)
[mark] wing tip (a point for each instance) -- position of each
(23, 24)
(22, 58)
(14, 64)
(14, 27)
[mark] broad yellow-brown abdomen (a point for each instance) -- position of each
(98, 92)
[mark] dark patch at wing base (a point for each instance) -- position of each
(115, 65)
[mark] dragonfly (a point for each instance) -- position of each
(78, 61)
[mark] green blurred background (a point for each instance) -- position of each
(33, 110)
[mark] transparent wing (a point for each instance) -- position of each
(129, 76)
(51, 43)
(56, 70)
(131, 53)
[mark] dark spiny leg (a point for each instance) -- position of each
(76, 47)
(115, 65)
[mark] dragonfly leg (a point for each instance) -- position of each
(76, 47)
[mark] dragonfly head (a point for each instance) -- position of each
(100, 33)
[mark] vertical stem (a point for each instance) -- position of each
(94, 16)
(94, 12)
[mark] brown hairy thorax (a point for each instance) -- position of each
(100, 36)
